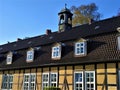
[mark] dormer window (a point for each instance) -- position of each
(118, 42)
(30, 55)
(56, 52)
(9, 58)
(80, 48)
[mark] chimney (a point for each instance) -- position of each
(48, 31)
(91, 21)
(18, 39)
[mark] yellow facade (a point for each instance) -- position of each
(104, 77)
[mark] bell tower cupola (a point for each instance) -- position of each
(65, 20)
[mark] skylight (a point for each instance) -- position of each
(97, 27)
(1, 48)
(29, 42)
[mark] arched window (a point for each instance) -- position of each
(62, 19)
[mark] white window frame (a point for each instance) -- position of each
(45, 82)
(58, 51)
(49, 82)
(9, 58)
(56, 78)
(118, 40)
(30, 55)
(84, 80)
(29, 82)
(78, 81)
(90, 82)
(82, 46)
(8, 82)
(119, 78)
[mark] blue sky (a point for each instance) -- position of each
(29, 18)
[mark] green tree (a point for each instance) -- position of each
(85, 13)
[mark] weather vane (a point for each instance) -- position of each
(65, 5)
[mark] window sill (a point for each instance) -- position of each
(81, 55)
(29, 61)
(56, 58)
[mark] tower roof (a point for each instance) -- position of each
(65, 10)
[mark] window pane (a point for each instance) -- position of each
(45, 85)
(82, 50)
(90, 80)
(45, 80)
(45, 77)
(4, 82)
(81, 44)
(29, 82)
(78, 81)
(7, 81)
(49, 79)
(78, 77)
(53, 79)
(32, 78)
(78, 44)
(32, 86)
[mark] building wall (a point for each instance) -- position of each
(106, 75)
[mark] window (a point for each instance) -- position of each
(53, 79)
(90, 80)
(119, 78)
(45, 80)
(9, 58)
(29, 82)
(78, 81)
(84, 82)
(7, 82)
(119, 43)
(80, 48)
(49, 79)
(56, 52)
(30, 55)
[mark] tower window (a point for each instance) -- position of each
(69, 21)
(62, 19)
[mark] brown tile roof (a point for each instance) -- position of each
(102, 46)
